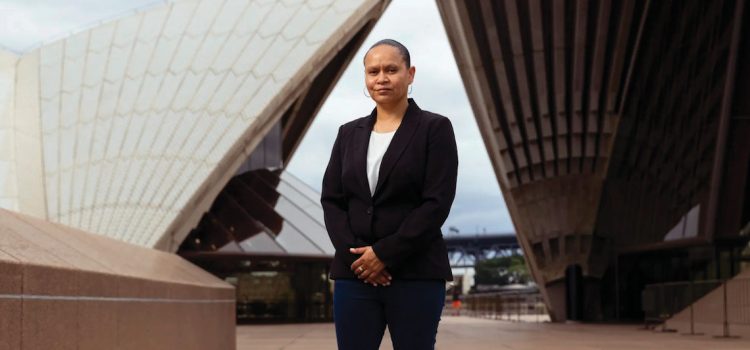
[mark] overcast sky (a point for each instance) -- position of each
(26, 23)
(437, 87)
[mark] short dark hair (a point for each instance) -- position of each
(393, 43)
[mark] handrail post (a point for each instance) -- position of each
(726, 311)
(726, 314)
(494, 307)
(536, 309)
(667, 309)
(518, 306)
(692, 315)
(506, 314)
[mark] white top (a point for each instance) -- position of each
(378, 145)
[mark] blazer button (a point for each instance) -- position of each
(369, 210)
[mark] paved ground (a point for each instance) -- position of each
(475, 333)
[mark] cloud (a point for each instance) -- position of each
(25, 24)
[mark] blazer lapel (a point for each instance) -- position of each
(361, 143)
(399, 142)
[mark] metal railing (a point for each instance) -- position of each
(511, 306)
(661, 302)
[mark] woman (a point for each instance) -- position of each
(387, 190)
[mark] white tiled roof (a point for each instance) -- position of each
(136, 113)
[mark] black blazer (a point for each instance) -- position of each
(415, 190)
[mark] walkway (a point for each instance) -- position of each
(479, 334)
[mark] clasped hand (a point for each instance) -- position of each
(369, 267)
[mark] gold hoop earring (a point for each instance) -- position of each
(364, 91)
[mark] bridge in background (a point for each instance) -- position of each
(467, 250)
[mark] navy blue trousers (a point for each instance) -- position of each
(410, 308)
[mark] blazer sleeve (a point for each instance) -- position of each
(423, 224)
(335, 206)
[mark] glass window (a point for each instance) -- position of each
(261, 243)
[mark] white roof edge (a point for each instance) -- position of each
(7, 51)
(89, 26)
(189, 215)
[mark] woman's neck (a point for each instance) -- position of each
(392, 114)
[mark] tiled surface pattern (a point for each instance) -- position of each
(21, 185)
(137, 112)
(8, 188)
(61, 288)
(480, 334)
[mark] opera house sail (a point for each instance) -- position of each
(117, 138)
(131, 128)
(618, 134)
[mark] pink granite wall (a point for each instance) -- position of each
(61, 288)
(709, 311)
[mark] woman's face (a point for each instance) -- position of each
(386, 75)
